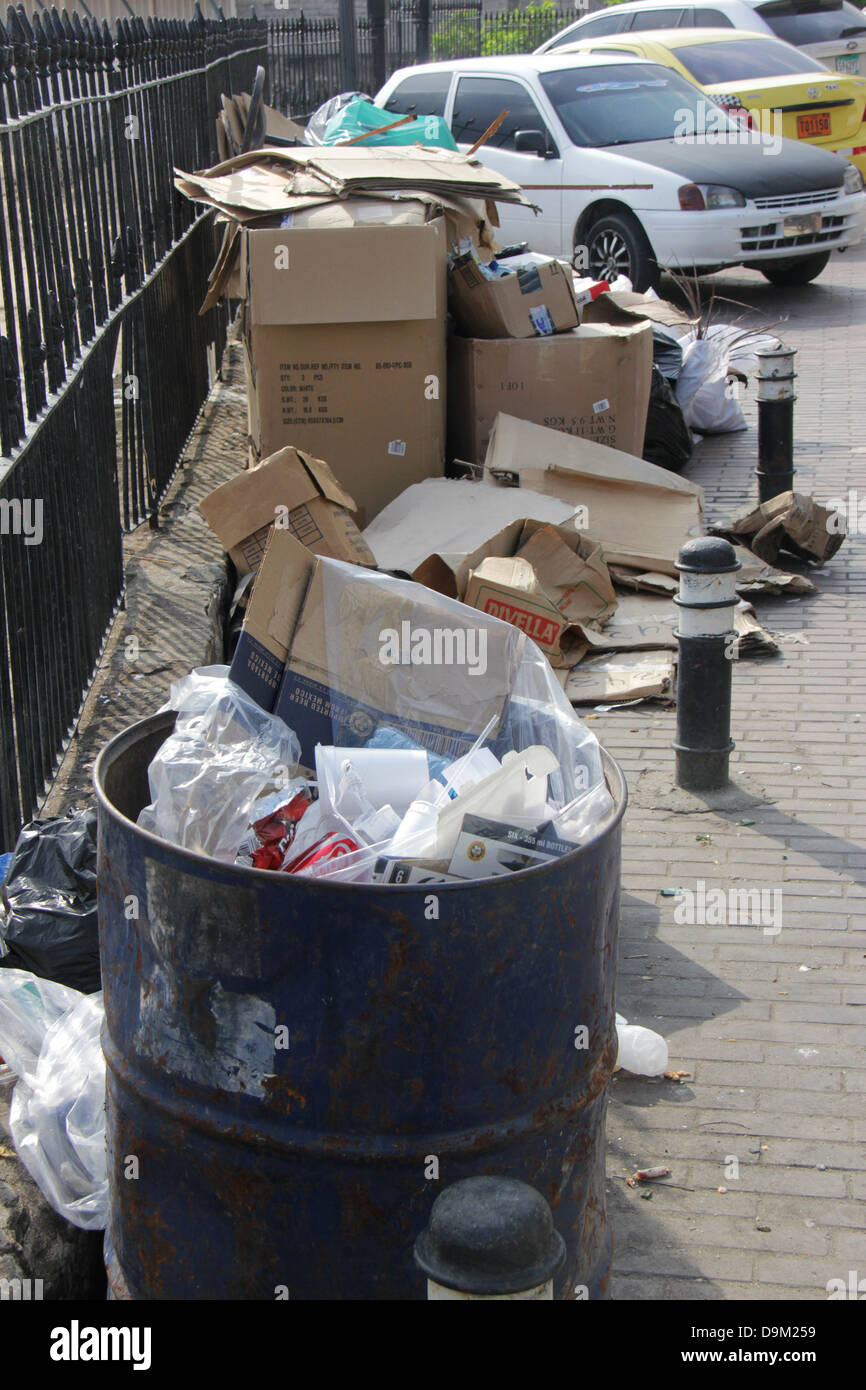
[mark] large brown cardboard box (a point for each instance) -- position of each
(593, 382)
(294, 492)
(344, 329)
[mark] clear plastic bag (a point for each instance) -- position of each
(454, 681)
(28, 1007)
(225, 753)
(314, 130)
(50, 1036)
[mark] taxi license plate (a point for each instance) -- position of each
(851, 64)
(810, 222)
(817, 123)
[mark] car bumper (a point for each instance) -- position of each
(731, 236)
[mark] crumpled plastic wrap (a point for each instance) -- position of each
(50, 1036)
(225, 753)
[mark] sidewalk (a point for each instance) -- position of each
(770, 1026)
(774, 1112)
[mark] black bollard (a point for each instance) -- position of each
(707, 645)
(490, 1237)
(775, 378)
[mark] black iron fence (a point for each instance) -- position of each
(104, 359)
(305, 58)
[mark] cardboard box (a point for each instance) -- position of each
(272, 613)
(640, 514)
(553, 586)
(295, 492)
(314, 628)
(528, 303)
(344, 331)
(593, 381)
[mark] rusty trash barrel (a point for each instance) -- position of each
(298, 1067)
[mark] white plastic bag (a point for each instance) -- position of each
(706, 401)
(224, 754)
(57, 1116)
(640, 1049)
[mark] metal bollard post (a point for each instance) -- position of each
(775, 378)
(490, 1238)
(706, 600)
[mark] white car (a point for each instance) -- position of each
(831, 31)
(597, 142)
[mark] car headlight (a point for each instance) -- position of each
(853, 180)
(697, 197)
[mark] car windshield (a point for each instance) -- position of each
(625, 103)
(738, 60)
(812, 23)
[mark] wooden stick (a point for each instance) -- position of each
(491, 130)
(379, 131)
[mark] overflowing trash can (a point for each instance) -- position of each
(297, 1066)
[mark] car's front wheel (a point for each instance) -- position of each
(795, 270)
(616, 244)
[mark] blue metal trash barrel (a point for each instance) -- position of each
(297, 1068)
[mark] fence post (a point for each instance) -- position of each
(376, 16)
(348, 60)
(422, 50)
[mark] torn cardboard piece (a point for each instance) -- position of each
(640, 514)
(592, 382)
(295, 492)
(336, 171)
(553, 588)
(272, 612)
(527, 303)
(752, 638)
(755, 577)
(622, 676)
(791, 522)
(451, 517)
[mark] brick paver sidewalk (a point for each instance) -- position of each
(767, 1141)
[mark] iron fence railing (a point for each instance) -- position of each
(304, 54)
(104, 358)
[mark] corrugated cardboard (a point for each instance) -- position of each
(593, 381)
(640, 514)
(551, 588)
(345, 350)
(295, 492)
(325, 620)
(525, 304)
(272, 612)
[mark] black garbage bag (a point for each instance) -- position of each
(48, 902)
(667, 441)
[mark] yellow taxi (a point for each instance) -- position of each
(768, 84)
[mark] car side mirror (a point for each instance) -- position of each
(530, 142)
